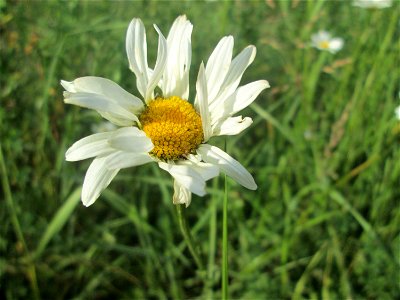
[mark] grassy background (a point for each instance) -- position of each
(324, 150)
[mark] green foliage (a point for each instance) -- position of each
(324, 150)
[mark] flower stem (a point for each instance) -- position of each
(188, 237)
(225, 243)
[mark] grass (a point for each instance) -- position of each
(323, 148)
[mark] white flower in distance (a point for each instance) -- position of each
(372, 3)
(397, 112)
(165, 128)
(324, 41)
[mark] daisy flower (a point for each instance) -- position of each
(322, 40)
(372, 3)
(397, 112)
(162, 126)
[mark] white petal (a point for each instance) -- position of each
(231, 126)
(97, 178)
(103, 105)
(68, 86)
(176, 73)
(106, 88)
(121, 160)
(238, 66)
(206, 170)
(240, 99)
(155, 75)
(115, 119)
(130, 139)
(90, 146)
(181, 194)
(202, 103)
(227, 164)
(336, 44)
(319, 37)
(218, 66)
(136, 49)
(186, 176)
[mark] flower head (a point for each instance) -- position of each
(163, 126)
(322, 40)
(372, 3)
(397, 112)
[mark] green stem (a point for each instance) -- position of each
(225, 243)
(16, 226)
(188, 237)
(212, 243)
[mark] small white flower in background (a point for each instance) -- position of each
(165, 128)
(103, 126)
(308, 135)
(397, 112)
(372, 3)
(323, 40)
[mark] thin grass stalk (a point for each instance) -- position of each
(188, 237)
(225, 242)
(17, 227)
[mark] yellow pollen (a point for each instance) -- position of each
(324, 45)
(173, 126)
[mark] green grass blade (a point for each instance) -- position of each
(59, 220)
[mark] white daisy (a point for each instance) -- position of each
(322, 40)
(165, 128)
(397, 112)
(372, 3)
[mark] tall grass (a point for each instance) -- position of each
(323, 148)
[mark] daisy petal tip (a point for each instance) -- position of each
(87, 202)
(253, 49)
(68, 85)
(87, 199)
(68, 156)
(253, 186)
(134, 22)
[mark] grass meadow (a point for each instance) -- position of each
(323, 149)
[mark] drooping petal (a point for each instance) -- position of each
(136, 49)
(122, 159)
(130, 139)
(155, 75)
(186, 176)
(240, 99)
(181, 194)
(97, 178)
(106, 88)
(176, 74)
(90, 146)
(227, 164)
(218, 66)
(202, 103)
(237, 67)
(206, 170)
(231, 126)
(103, 105)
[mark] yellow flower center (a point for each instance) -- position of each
(324, 45)
(173, 126)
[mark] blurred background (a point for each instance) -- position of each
(323, 149)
